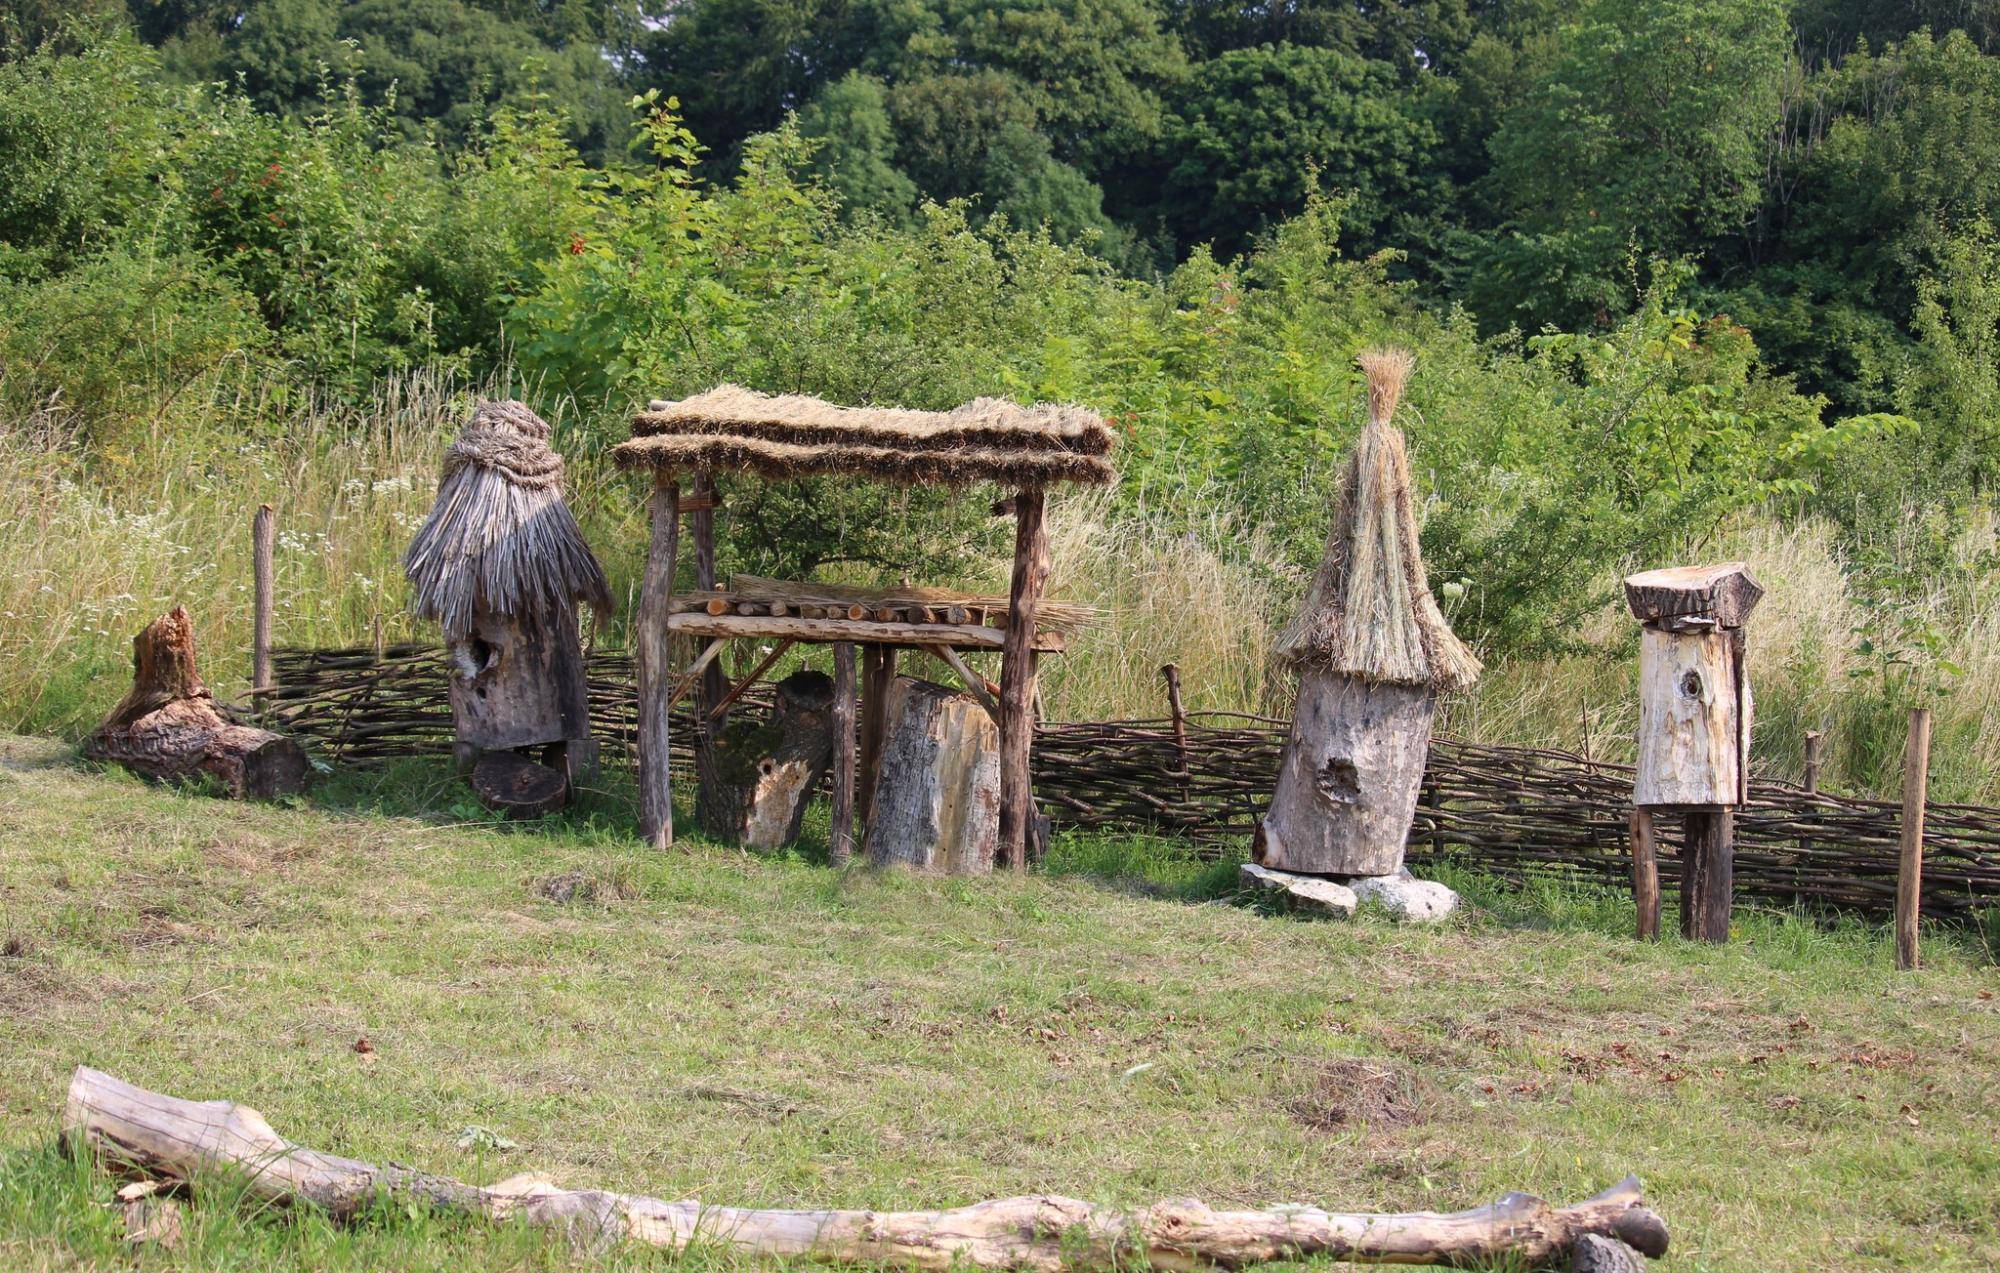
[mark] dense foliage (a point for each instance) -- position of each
(1745, 278)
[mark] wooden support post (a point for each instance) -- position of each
(263, 547)
(840, 831)
(879, 673)
(656, 795)
(701, 528)
(1815, 745)
(1646, 873)
(1017, 676)
(1708, 874)
(1910, 870)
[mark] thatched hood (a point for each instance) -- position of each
(1369, 612)
(499, 537)
(791, 436)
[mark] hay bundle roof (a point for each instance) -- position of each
(986, 440)
(499, 537)
(1369, 612)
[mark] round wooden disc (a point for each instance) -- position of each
(517, 786)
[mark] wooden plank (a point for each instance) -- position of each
(656, 796)
(1018, 675)
(840, 833)
(1646, 873)
(857, 631)
(1910, 865)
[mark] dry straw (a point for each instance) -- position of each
(499, 538)
(1369, 612)
(791, 436)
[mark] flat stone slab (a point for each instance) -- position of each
(1403, 896)
(1303, 892)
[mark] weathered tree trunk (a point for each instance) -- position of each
(763, 775)
(1708, 874)
(1694, 718)
(168, 726)
(165, 1136)
(1348, 785)
(937, 800)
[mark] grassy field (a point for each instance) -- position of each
(761, 1030)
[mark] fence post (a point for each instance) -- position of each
(1178, 713)
(263, 544)
(1910, 870)
(1814, 741)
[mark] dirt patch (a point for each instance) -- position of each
(1358, 1093)
(581, 887)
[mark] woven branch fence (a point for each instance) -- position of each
(1515, 811)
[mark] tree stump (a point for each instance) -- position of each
(761, 776)
(168, 726)
(510, 783)
(936, 805)
(1352, 770)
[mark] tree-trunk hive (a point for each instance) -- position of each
(1372, 650)
(500, 564)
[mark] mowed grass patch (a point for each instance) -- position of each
(763, 1031)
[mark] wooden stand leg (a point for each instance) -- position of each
(1646, 873)
(840, 832)
(1017, 677)
(263, 546)
(656, 796)
(1708, 874)
(879, 673)
(1910, 870)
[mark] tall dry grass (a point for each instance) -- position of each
(95, 548)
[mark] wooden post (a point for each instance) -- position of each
(714, 685)
(1910, 871)
(1815, 741)
(1178, 714)
(656, 794)
(1708, 874)
(840, 830)
(1017, 676)
(263, 546)
(1646, 873)
(878, 675)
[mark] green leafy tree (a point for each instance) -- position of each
(855, 154)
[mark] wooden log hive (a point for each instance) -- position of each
(936, 803)
(1694, 729)
(761, 776)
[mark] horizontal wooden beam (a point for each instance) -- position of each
(957, 636)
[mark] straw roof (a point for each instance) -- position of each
(790, 436)
(1369, 612)
(499, 537)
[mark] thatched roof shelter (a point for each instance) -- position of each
(790, 436)
(1369, 612)
(499, 538)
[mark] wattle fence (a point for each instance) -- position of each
(1515, 811)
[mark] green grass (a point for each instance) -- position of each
(761, 1030)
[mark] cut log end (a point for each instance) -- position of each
(510, 783)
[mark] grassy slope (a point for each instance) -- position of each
(763, 1031)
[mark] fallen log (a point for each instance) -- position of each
(164, 1136)
(168, 727)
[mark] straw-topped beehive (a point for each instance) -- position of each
(1369, 612)
(501, 564)
(1372, 650)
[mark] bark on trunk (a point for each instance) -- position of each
(1348, 785)
(168, 727)
(840, 814)
(656, 794)
(165, 1136)
(762, 776)
(1017, 677)
(937, 800)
